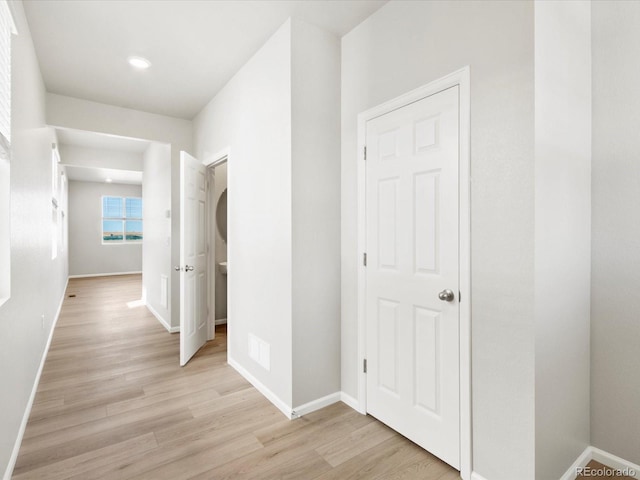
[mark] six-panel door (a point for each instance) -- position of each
(193, 257)
(412, 249)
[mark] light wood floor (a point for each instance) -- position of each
(114, 404)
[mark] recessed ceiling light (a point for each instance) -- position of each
(139, 62)
(108, 180)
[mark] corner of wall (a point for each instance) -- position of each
(315, 178)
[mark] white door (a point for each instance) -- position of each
(193, 257)
(412, 248)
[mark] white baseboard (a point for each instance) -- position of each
(615, 462)
(89, 275)
(581, 461)
(272, 397)
(476, 476)
(350, 401)
(162, 321)
(25, 418)
(221, 321)
(316, 404)
(608, 459)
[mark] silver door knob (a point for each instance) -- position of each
(446, 295)
(177, 268)
(188, 268)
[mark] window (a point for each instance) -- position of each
(121, 220)
(7, 28)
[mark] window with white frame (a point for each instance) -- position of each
(7, 28)
(121, 220)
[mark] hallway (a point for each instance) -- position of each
(113, 403)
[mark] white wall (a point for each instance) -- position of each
(615, 329)
(563, 233)
(252, 116)
(407, 44)
(315, 212)
(97, 117)
(37, 282)
(100, 158)
(156, 242)
(279, 117)
(221, 246)
(87, 254)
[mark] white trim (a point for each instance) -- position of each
(211, 162)
(25, 418)
(476, 476)
(464, 252)
(122, 242)
(217, 158)
(462, 79)
(90, 275)
(606, 458)
(140, 141)
(613, 461)
(12, 17)
(581, 461)
(272, 397)
(162, 321)
(220, 321)
(317, 404)
(349, 401)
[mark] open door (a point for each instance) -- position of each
(193, 257)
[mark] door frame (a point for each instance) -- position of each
(211, 162)
(460, 78)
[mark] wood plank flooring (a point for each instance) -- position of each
(113, 403)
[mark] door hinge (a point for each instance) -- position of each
(364, 259)
(364, 365)
(459, 296)
(365, 153)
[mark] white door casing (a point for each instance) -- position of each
(211, 249)
(193, 257)
(412, 245)
(210, 164)
(462, 79)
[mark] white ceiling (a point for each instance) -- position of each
(81, 138)
(82, 173)
(195, 47)
(91, 174)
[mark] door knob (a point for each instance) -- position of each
(177, 268)
(188, 268)
(446, 295)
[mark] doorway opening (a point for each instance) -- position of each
(217, 241)
(98, 202)
(203, 251)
